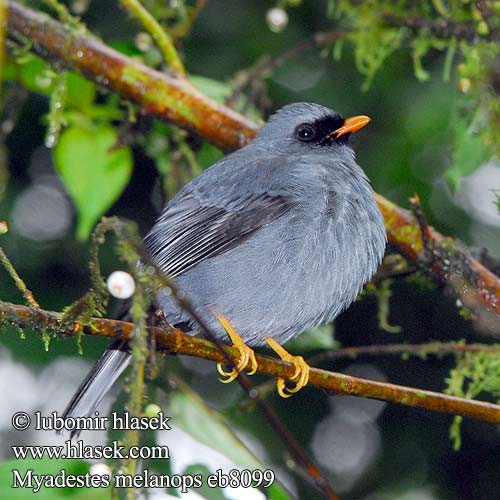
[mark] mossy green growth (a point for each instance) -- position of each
(475, 373)
(458, 30)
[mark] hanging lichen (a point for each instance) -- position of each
(474, 374)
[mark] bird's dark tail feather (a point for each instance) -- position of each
(98, 381)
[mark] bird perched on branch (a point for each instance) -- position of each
(275, 238)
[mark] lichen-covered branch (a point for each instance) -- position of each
(176, 100)
(176, 342)
(418, 350)
(442, 28)
(477, 287)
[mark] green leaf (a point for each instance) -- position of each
(320, 337)
(35, 74)
(470, 151)
(47, 467)
(80, 93)
(195, 417)
(208, 154)
(207, 492)
(93, 174)
(218, 91)
(192, 415)
(157, 146)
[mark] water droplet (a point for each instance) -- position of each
(100, 469)
(43, 80)
(50, 140)
(143, 41)
(277, 19)
(79, 6)
(7, 126)
(121, 284)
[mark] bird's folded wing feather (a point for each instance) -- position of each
(189, 232)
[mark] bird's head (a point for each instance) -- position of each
(302, 127)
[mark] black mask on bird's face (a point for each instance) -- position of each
(304, 127)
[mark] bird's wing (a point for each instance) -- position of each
(189, 232)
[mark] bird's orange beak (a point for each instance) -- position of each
(351, 125)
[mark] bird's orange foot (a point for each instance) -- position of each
(299, 378)
(246, 354)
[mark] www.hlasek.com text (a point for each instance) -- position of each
(80, 451)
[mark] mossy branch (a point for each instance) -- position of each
(422, 351)
(176, 342)
(441, 28)
(158, 94)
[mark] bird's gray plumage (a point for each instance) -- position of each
(278, 236)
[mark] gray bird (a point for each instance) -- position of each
(277, 237)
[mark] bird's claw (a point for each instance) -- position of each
(247, 355)
(300, 376)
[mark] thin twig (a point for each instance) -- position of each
(159, 35)
(425, 230)
(183, 29)
(139, 344)
(3, 19)
(63, 13)
(245, 78)
(20, 284)
(176, 342)
(442, 28)
(489, 16)
(389, 274)
(419, 350)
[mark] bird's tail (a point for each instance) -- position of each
(98, 381)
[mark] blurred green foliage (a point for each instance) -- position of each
(101, 176)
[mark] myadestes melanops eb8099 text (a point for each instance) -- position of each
(277, 237)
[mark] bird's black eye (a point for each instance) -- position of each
(305, 132)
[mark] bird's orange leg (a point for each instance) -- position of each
(247, 354)
(301, 375)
